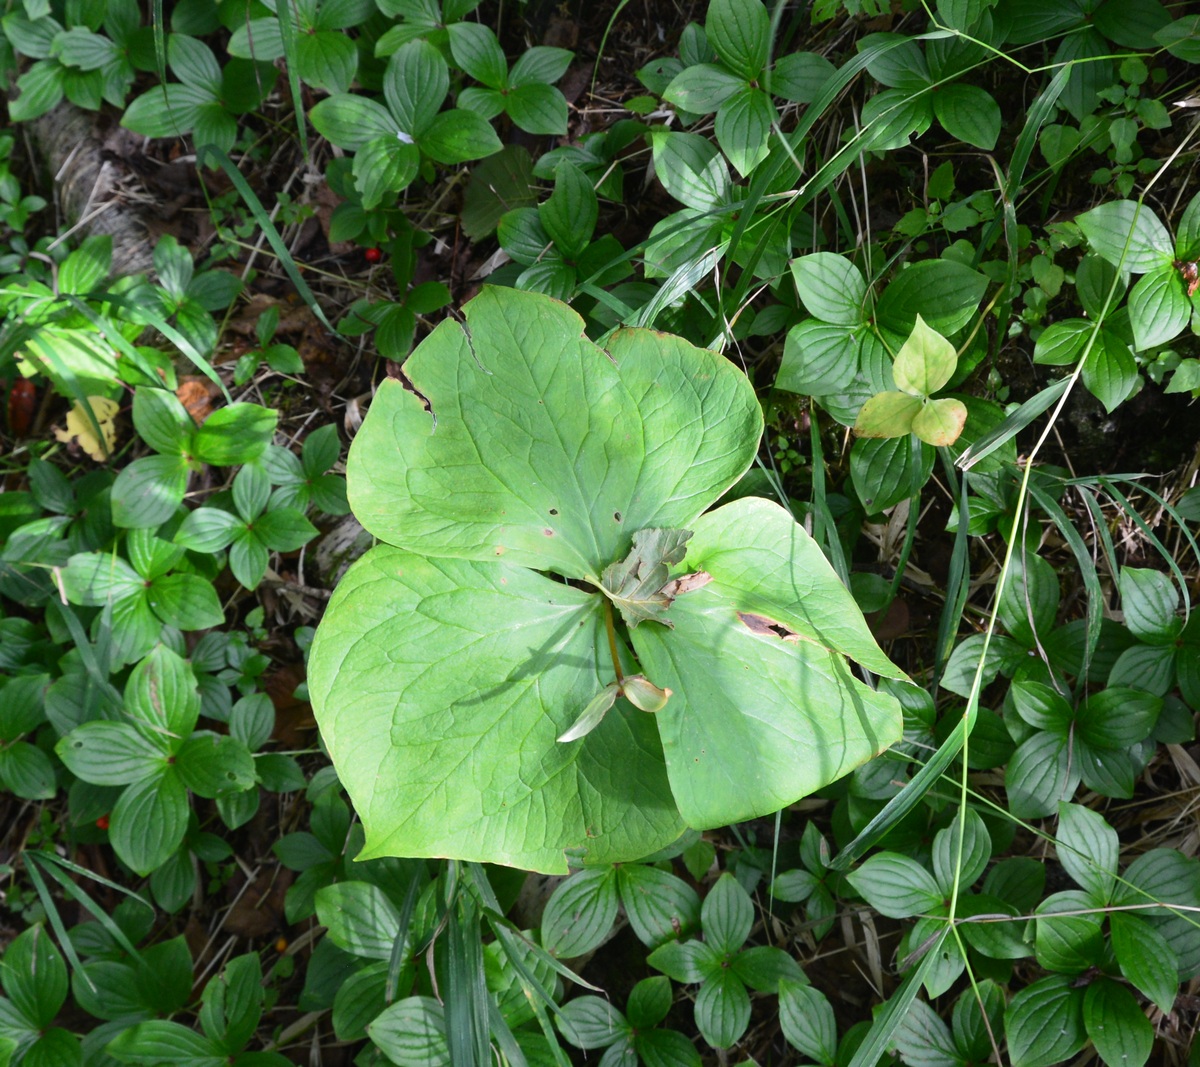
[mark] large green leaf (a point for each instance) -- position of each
(968, 113)
(448, 669)
(703, 88)
(441, 687)
(944, 293)
(542, 448)
(691, 169)
(819, 359)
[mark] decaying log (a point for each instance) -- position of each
(97, 191)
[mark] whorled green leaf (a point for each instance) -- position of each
(520, 440)
(740, 32)
(691, 169)
(807, 1020)
(945, 294)
(1116, 1024)
(1109, 370)
(1088, 850)
(580, 913)
(537, 108)
(449, 747)
(884, 472)
(743, 128)
(832, 288)
(384, 165)
(411, 1033)
(352, 121)
(447, 667)
(969, 113)
(800, 76)
(149, 821)
(34, 976)
(819, 358)
(1044, 1022)
(1145, 958)
(761, 693)
(703, 88)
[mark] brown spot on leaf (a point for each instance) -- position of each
(760, 624)
(548, 532)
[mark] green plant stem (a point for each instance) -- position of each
(612, 640)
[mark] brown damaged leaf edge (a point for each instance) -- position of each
(397, 373)
(686, 583)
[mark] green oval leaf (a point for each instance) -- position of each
(832, 288)
(352, 121)
(740, 31)
(149, 821)
(1044, 1023)
(1159, 309)
(969, 113)
(1128, 235)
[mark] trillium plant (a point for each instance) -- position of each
(549, 573)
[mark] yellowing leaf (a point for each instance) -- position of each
(887, 415)
(940, 422)
(81, 428)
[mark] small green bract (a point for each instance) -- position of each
(505, 477)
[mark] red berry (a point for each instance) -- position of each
(373, 255)
(102, 822)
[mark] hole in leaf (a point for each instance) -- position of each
(617, 516)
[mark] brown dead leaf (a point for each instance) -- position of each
(324, 202)
(198, 395)
(293, 718)
(892, 624)
(685, 583)
(258, 909)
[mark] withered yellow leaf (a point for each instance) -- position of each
(81, 428)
